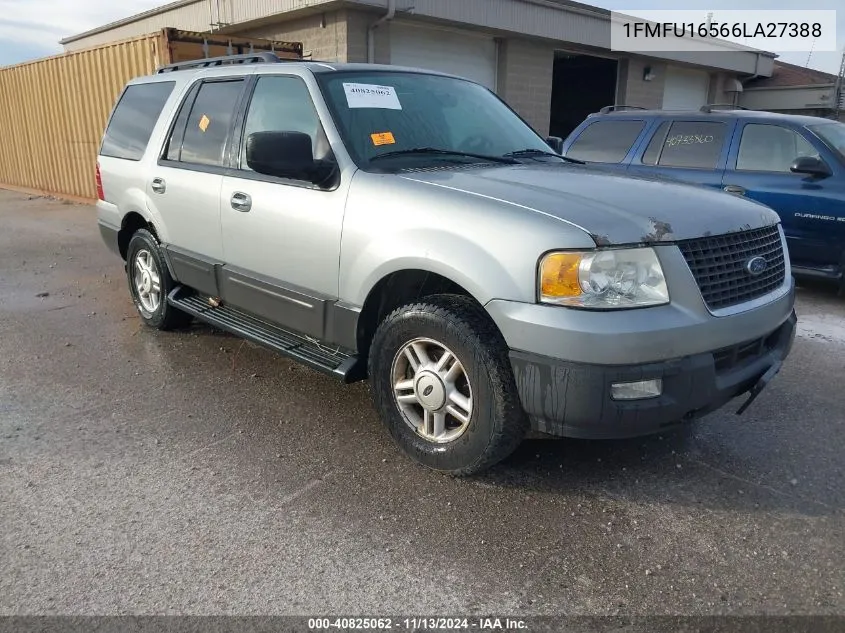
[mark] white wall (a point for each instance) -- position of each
(787, 98)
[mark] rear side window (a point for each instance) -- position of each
(133, 120)
(690, 144)
(606, 141)
(209, 123)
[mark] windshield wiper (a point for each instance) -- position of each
(529, 153)
(508, 160)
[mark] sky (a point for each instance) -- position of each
(32, 28)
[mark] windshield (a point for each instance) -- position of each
(404, 117)
(833, 134)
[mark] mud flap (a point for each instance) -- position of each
(765, 379)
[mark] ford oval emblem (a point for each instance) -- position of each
(756, 265)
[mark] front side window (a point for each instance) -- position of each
(771, 148)
(134, 118)
(282, 104)
(606, 141)
(209, 123)
(379, 113)
(833, 134)
(689, 144)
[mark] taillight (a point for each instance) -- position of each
(100, 194)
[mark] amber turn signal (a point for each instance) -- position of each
(559, 275)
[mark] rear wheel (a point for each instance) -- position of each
(150, 282)
(444, 387)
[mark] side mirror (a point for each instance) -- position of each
(556, 143)
(812, 166)
(282, 154)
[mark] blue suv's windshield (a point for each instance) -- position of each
(833, 134)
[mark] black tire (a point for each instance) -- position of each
(165, 316)
(497, 423)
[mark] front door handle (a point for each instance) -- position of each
(735, 189)
(158, 185)
(241, 202)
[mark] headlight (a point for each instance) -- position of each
(612, 278)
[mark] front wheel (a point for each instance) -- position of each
(443, 384)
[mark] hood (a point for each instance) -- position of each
(612, 208)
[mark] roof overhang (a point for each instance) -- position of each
(802, 87)
(563, 22)
(132, 18)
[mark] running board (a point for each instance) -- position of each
(347, 367)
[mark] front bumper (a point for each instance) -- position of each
(573, 399)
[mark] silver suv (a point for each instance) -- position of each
(408, 226)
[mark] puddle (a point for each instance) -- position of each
(822, 327)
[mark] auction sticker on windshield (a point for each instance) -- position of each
(383, 138)
(372, 96)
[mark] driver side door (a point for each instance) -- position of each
(758, 168)
(281, 237)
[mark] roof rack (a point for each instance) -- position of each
(226, 60)
(615, 108)
(720, 106)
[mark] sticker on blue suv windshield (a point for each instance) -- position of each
(372, 96)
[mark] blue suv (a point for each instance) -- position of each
(793, 164)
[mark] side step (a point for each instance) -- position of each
(347, 367)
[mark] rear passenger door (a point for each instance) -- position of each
(606, 141)
(693, 151)
(184, 185)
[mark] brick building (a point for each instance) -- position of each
(550, 59)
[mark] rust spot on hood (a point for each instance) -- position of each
(660, 231)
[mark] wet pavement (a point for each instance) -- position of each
(148, 472)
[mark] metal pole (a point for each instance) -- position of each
(839, 90)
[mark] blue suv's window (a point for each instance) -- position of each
(833, 134)
(771, 148)
(690, 144)
(606, 141)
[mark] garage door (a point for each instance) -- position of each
(458, 53)
(685, 89)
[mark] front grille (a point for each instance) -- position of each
(719, 262)
(729, 358)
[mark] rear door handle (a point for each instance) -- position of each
(735, 189)
(241, 202)
(158, 185)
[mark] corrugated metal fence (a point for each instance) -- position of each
(53, 111)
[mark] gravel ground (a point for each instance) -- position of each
(145, 472)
